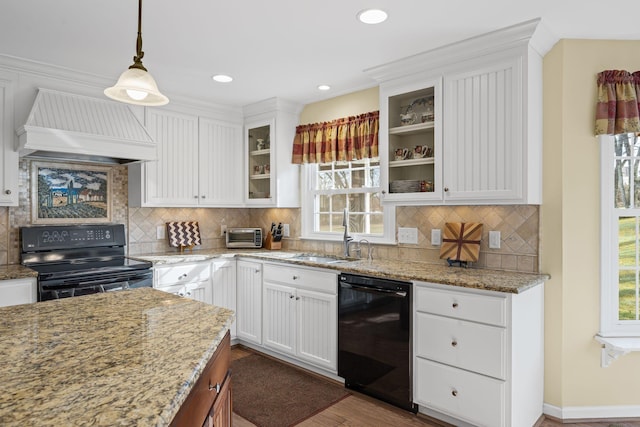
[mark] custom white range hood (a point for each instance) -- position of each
(64, 126)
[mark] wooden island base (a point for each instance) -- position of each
(209, 403)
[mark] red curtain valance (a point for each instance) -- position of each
(618, 104)
(345, 139)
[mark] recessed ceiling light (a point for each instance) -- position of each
(372, 16)
(324, 87)
(222, 78)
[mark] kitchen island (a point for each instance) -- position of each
(119, 358)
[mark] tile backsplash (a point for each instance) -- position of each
(518, 225)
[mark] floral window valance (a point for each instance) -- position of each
(344, 139)
(618, 104)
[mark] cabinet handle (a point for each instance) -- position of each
(295, 277)
(195, 197)
(7, 192)
(383, 192)
(454, 305)
(297, 298)
(180, 294)
(182, 276)
(189, 293)
(257, 270)
(214, 387)
(454, 343)
(203, 196)
(446, 189)
(454, 392)
(290, 296)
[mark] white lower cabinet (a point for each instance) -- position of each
(249, 301)
(478, 355)
(300, 314)
(224, 286)
(18, 291)
(187, 280)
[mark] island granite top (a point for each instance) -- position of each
(117, 358)
(476, 278)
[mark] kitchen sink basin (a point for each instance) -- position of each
(320, 259)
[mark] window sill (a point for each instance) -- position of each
(614, 347)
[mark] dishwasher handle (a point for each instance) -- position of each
(373, 290)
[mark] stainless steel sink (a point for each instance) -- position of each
(319, 259)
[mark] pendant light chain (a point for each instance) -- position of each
(137, 60)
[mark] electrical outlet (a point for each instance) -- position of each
(161, 232)
(223, 229)
(285, 230)
(408, 235)
(494, 240)
(436, 237)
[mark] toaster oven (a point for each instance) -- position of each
(244, 237)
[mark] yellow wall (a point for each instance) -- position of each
(351, 104)
(570, 223)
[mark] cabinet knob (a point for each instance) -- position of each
(446, 189)
(295, 277)
(454, 305)
(195, 197)
(384, 192)
(297, 298)
(257, 270)
(188, 293)
(181, 294)
(182, 276)
(290, 296)
(454, 343)
(454, 392)
(7, 192)
(203, 196)
(214, 387)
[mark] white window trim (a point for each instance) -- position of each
(617, 337)
(306, 213)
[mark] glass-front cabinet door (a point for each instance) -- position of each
(410, 136)
(260, 182)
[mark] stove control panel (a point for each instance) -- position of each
(72, 236)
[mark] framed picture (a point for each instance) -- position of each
(70, 194)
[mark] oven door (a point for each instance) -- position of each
(78, 286)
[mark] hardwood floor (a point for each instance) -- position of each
(361, 410)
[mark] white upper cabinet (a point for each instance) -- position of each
(8, 154)
(199, 162)
(487, 102)
(271, 180)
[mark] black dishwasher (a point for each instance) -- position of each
(374, 338)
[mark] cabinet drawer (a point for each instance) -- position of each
(320, 281)
(478, 308)
(464, 395)
(197, 405)
(467, 345)
(182, 273)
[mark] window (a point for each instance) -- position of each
(620, 246)
(330, 188)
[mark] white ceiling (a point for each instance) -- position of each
(283, 48)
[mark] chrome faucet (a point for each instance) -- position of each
(369, 249)
(346, 238)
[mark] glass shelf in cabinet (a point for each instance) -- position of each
(261, 152)
(411, 129)
(261, 176)
(411, 162)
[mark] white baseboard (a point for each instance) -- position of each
(591, 412)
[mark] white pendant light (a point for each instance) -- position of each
(135, 85)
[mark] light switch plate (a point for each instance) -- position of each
(408, 235)
(285, 230)
(436, 237)
(494, 240)
(223, 229)
(161, 232)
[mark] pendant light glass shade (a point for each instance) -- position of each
(136, 86)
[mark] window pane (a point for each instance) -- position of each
(339, 203)
(336, 223)
(357, 223)
(376, 224)
(342, 179)
(374, 177)
(325, 180)
(627, 241)
(374, 202)
(621, 182)
(636, 184)
(358, 179)
(627, 295)
(357, 202)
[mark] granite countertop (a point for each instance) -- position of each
(10, 272)
(476, 278)
(118, 358)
